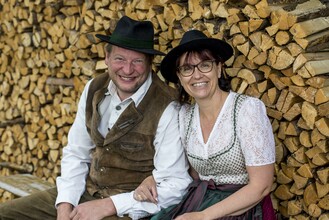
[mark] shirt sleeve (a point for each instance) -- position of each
(170, 173)
(76, 158)
(255, 133)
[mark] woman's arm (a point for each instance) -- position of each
(260, 184)
(193, 173)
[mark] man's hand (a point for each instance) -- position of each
(93, 210)
(63, 211)
(147, 191)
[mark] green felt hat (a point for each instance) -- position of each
(133, 35)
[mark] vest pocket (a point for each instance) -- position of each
(131, 147)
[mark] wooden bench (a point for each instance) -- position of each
(23, 184)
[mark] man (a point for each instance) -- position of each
(126, 129)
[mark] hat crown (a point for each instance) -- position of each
(130, 29)
(133, 35)
(191, 36)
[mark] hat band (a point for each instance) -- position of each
(133, 43)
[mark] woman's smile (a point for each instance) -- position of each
(199, 84)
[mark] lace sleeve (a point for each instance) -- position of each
(255, 133)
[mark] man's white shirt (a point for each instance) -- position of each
(170, 162)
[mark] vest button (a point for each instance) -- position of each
(118, 107)
(102, 169)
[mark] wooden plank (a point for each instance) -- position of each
(23, 184)
(59, 81)
(19, 120)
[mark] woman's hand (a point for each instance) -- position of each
(147, 191)
(192, 216)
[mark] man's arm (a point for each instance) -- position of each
(76, 158)
(170, 173)
(94, 210)
(75, 168)
(64, 210)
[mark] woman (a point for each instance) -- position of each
(227, 137)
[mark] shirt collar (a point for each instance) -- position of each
(138, 95)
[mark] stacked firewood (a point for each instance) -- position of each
(283, 59)
(48, 51)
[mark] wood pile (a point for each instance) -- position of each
(48, 51)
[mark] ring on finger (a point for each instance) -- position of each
(140, 197)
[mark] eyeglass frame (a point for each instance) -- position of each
(197, 66)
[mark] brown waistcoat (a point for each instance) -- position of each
(122, 160)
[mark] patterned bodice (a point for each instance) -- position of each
(228, 150)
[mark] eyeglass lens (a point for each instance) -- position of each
(204, 66)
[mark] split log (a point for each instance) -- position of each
(279, 58)
(303, 58)
(306, 28)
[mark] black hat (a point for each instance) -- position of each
(193, 40)
(133, 35)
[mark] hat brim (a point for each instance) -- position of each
(146, 51)
(168, 64)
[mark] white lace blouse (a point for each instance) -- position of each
(242, 136)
